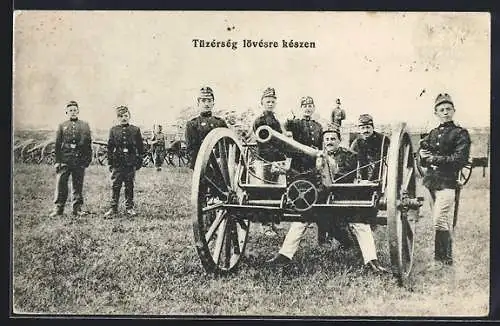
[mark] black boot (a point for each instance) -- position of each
(439, 246)
(447, 245)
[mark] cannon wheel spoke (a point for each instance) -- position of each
(220, 235)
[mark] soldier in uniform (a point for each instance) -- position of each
(158, 143)
(198, 128)
(338, 114)
(444, 151)
(368, 146)
(266, 153)
(125, 151)
(306, 131)
(339, 164)
(73, 151)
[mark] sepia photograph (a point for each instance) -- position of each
(264, 164)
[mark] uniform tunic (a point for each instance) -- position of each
(450, 147)
(266, 151)
(308, 132)
(125, 151)
(369, 151)
(73, 150)
(338, 115)
(196, 131)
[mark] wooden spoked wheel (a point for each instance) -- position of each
(220, 236)
(401, 220)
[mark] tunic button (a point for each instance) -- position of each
(439, 136)
(437, 143)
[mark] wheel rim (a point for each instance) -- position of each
(401, 222)
(465, 173)
(220, 236)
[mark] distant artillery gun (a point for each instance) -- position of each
(226, 201)
(48, 154)
(176, 154)
(30, 152)
(20, 147)
(100, 152)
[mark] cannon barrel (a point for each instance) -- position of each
(266, 134)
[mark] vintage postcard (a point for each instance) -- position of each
(273, 164)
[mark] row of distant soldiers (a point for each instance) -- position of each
(445, 150)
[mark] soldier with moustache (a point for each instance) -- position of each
(125, 151)
(306, 131)
(338, 165)
(444, 151)
(368, 147)
(73, 150)
(198, 128)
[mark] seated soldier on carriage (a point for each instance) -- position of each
(339, 165)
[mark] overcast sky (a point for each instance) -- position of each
(377, 63)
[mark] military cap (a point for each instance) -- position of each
(334, 130)
(443, 98)
(337, 101)
(206, 92)
(365, 119)
(71, 103)
(269, 92)
(306, 100)
(121, 110)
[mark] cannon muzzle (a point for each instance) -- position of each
(287, 145)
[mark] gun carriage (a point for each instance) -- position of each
(226, 200)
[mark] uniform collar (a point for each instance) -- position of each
(306, 118)
(206, 114)
(73, 119)
(125, 125)
(267, 112)
(447, 124)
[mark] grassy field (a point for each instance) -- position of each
(149, 265)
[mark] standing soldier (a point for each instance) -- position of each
(338, 114)
(125, 150)
(306, 131)
(73, 154)
(266, 153)
(368, 145)
(198, 128)
(158, 143)
(444, 151)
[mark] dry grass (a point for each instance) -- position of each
(148, 265)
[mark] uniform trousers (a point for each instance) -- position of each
(442, 204)
(123, 175)
(159, 156)
(362, 232)
(77, 174)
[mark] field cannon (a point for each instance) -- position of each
(100, 151)
(176, 154)
(226, 201)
